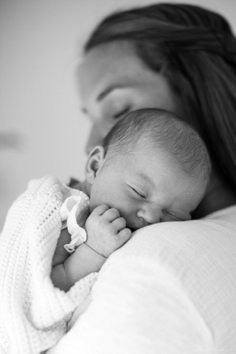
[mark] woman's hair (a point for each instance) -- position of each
(195, 49)
(155, 130)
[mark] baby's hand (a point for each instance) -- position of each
(106, 230)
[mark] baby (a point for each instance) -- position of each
(152, 167)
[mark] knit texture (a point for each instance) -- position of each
(33, 312)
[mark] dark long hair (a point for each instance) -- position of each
(195, 49)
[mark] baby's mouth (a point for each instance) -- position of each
(138, 225)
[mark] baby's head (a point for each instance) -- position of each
(152, 166)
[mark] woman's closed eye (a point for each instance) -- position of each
(121, 113)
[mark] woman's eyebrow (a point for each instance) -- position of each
(104, 93)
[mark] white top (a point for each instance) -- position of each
(170, 290)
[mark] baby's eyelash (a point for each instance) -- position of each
(142, 195)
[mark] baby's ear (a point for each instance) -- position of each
(94, 163)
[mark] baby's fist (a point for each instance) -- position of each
(106, 230)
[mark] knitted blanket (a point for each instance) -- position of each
(33, 313)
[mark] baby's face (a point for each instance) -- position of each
(146, 189)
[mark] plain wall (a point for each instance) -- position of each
(42, 130)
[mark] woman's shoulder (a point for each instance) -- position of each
(206, 235)
(172, 282)
(197, 257)
(224, 215)
(204, 248)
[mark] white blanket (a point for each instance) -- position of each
(170, 290)
(33, 313)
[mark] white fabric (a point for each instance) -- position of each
(170, 290)
(33, 313)
(71, 211)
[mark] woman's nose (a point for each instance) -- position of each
(150, 214)
(94, 138)
(97, 133)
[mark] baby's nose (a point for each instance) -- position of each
(150, 214)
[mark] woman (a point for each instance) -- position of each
(172, 288)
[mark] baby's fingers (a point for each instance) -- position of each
(111, 214)
(119, 224)
(124, 235)
(100, 209)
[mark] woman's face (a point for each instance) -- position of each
(112, 81)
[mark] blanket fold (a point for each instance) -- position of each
(34, 313)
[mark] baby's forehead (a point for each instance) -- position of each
(161, 157)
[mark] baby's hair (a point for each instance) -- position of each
(160, 129)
